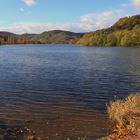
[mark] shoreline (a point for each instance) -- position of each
(135, 47)
(125, 115)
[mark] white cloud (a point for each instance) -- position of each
(29, 27)
(29, 2)
(87, 22)
(136, 3)
(94, 21)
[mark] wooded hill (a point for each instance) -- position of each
(55, 36)
(125, 32)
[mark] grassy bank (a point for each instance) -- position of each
(125, 117)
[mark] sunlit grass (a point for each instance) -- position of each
(126, 112)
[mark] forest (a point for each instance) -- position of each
(125, 32)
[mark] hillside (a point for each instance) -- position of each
(125, 32)
(55, 36)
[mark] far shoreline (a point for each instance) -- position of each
(70, 44)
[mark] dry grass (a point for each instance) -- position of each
(126, 112)
(126, 116)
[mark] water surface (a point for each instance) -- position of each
(61, 91)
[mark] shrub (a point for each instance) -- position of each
(126, 112)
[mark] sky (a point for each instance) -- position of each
(36, 16)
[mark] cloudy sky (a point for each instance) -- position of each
(36, 16)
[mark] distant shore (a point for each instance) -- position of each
(125, 33)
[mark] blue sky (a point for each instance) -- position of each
(36, 16)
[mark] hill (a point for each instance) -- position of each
(125, 32)
(55, 36)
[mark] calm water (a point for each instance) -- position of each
(61, 91)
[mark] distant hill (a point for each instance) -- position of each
(125, 32)
(55, 36)
(4, 33)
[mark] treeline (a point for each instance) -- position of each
(55, 36)
(126, 32)
(14, 39)
(118, 38)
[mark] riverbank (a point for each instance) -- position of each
(125, 116)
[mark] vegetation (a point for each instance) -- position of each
(125, 32)
(56, 36)
(125, 114)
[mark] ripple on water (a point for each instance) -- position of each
(61, 91)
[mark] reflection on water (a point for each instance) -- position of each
(61, 91)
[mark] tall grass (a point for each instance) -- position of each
(126, 112)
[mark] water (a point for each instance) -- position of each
(61, 91)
